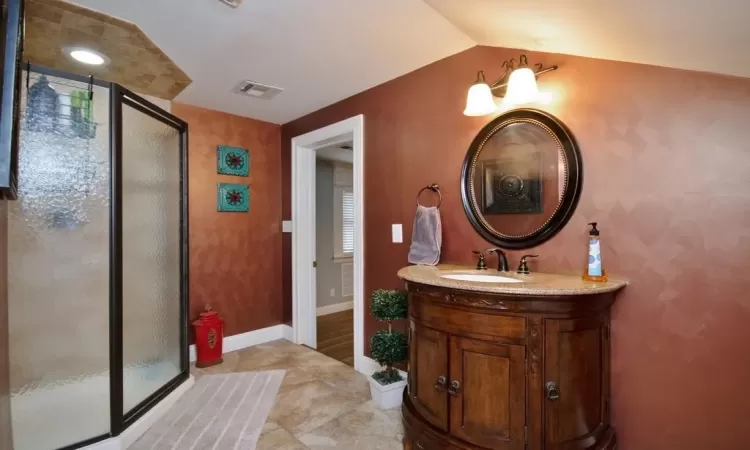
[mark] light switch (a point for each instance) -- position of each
(286, 226)
(397, 233)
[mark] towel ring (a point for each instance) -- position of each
(434, 188)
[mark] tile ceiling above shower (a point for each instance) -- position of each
(135, 61)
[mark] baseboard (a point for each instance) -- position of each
(140, 426)
(288, 333)
(368, 366)
(336, 307)
(250, 338)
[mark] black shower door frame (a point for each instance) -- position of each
(119, 96)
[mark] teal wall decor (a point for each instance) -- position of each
(233, 197)
(233, 161)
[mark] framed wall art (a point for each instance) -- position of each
(232, 197)
(232, 161)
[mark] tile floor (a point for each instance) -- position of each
(322, 403)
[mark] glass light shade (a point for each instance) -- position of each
(479, 101)
(522, 87)
(87, 57)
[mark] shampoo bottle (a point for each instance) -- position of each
(594, 270)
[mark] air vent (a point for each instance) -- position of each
(256, 90)
(232, 3)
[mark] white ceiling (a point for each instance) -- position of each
(705, 35)
(322, 51)
(336, 153)
(318, 51)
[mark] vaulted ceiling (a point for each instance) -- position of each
(322, 51)
(704, 35)
(318, 51)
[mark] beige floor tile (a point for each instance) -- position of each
(310, 405)
(322, 403)
(274, 437)
(366, 427)
(282, 346)
(350, 382)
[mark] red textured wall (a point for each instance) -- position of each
(235, 258)
(666, 173)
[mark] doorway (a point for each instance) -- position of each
(310, 151)
(334, 251)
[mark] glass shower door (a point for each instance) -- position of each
(150, 177)
(58, 270)
(97, 261)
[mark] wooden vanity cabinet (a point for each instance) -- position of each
(509, 372)
(428, 357)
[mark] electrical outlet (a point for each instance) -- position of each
(333, 292)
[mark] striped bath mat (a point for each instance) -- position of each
(220, 412)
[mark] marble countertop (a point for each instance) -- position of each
(533, 284)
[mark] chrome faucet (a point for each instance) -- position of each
(502, 260)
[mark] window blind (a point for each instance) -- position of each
(347, 221)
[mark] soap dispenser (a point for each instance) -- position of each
(594, 270)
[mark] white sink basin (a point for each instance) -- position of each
(480, 278)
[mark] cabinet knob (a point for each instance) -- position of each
(552, 392)
(455, 387)
(440, 384)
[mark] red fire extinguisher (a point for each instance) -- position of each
(209, 336)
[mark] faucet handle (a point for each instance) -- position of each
(523, 268)
(481, 265)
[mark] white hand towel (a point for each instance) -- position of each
(427, 237)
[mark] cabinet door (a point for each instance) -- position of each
(488, 393)
(577, 362)
(428, 367)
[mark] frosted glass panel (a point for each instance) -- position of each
(151, 255)
(58, 248)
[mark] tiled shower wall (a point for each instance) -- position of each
(58, 249)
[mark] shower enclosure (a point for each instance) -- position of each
(97, 255)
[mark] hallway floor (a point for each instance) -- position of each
(322, 403)
(336, 336)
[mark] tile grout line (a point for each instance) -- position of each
(329, 421)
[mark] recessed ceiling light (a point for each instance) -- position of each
(87, 56)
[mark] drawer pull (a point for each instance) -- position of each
(419, 445)
(552, 392)
(455, 388)
(440, 384)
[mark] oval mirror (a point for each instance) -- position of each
(521, 178)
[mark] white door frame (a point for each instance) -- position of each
(303, 230)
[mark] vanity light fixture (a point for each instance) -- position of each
(479, 101)
(517, 85)
(86, 56)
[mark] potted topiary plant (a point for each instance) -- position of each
(388, 347)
